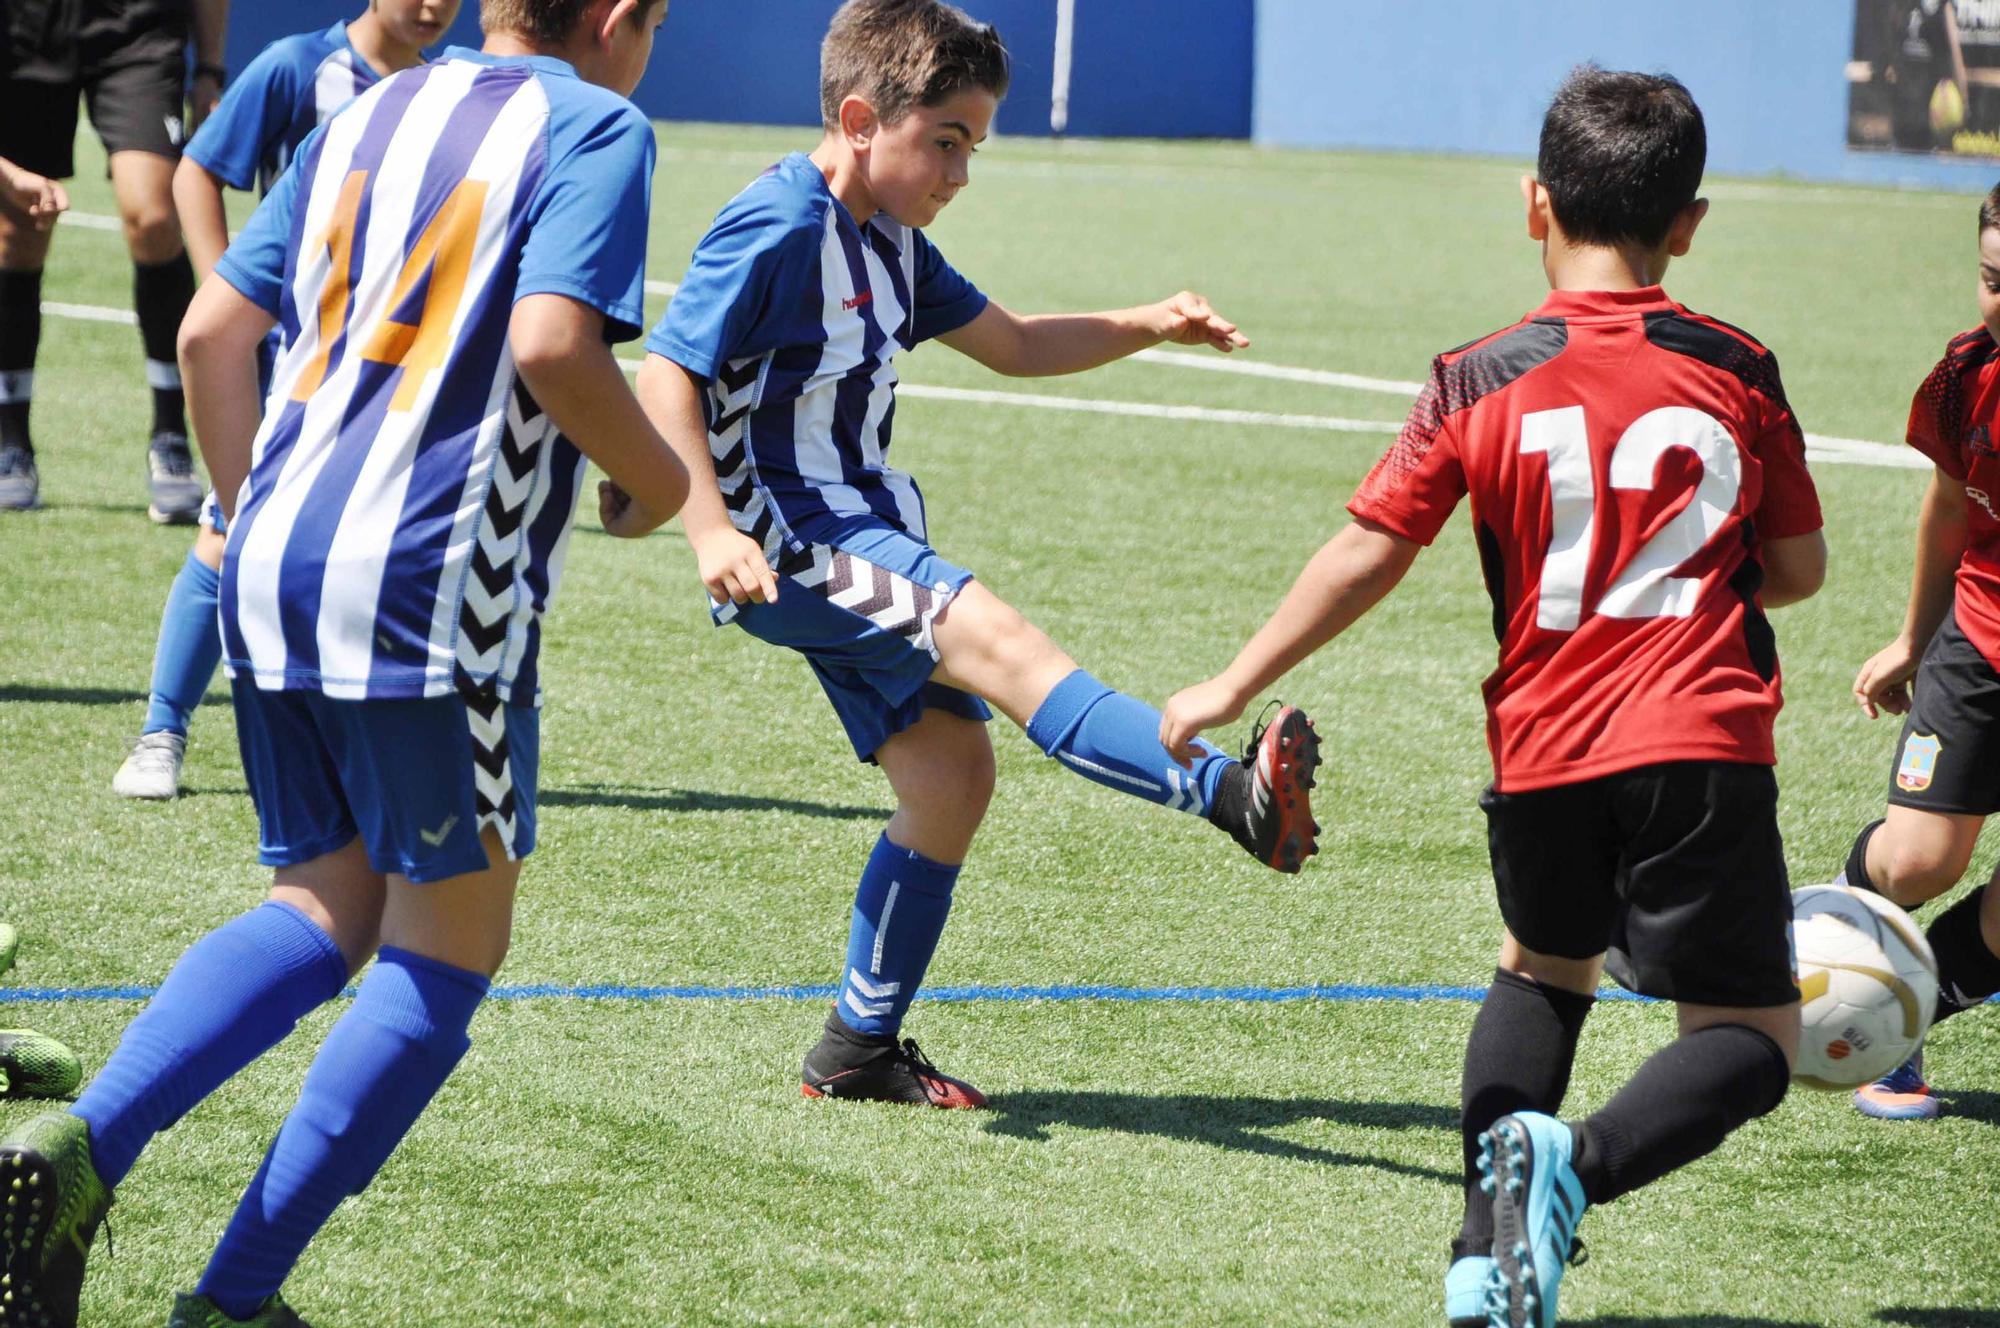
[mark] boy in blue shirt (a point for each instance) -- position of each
(450, 258)
(773, 376)
(291, 88)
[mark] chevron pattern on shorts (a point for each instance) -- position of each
(493, 590)
(893, 603)
(492, 770)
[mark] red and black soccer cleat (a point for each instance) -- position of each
(1266, 803)
(851, 1066)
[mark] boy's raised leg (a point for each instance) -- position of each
(1263, 802)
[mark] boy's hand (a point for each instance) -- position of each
(35, 197)
(734, 568)
(1884, 680)
(1186, 320)
(1192, 709)
(622, 517)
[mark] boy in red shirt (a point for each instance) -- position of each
(1640, 495)
(1947, 776)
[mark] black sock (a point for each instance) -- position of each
(1518, 1058)
(160, 292)
(20, 335)
(1968, 971)
(1684, 1101)
(1857, 859)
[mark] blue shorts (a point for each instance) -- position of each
(859, 606)
(417, 780)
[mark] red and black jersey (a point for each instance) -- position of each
(1624, 458)
(1952, 420)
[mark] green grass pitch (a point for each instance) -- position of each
(637, 1163)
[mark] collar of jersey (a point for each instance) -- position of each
(1585, 304)
(547, 64)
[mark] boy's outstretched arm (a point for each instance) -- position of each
(559, 347)
(1344, 580)
(733, 566)
(1042, 345)
(1884, 681)
(218, 352)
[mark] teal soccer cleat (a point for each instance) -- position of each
(1465, 1291)
(10, 942)
(1537, 1202)
(192, 1311)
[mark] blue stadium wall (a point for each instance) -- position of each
(1157, 68)
(1475, 76)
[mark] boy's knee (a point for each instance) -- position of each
(1910, 874)
(152, 233)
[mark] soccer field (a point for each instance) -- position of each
(1202, 1145)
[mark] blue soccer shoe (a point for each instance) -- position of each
(1465, 1291)
(1537, 1202)
(1900, 1094)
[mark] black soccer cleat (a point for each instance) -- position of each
(51, 1204)
(1266, 802)
(852, 1065)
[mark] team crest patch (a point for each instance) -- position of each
(1919, 763)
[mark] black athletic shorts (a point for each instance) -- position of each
(126, 58)
(1948, 759)
(1676, 870)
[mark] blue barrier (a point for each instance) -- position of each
(1475, 76)
(1159, 68)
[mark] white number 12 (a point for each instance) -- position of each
(1642, 588)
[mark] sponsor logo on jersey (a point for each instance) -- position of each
(1984, 499)
(1979, 441)
(1919, 763)
(864, 297)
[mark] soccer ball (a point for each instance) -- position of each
(1867, 985)
(1947, 109)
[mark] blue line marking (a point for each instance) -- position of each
(542, 991)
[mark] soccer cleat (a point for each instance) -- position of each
(192, 1311)
(1537, 1202)
(847, 1065)
(1465, 1291)
(1900, 1094)
(32, 1065)
(176, 490)
(51, 1204)
(153, 770)
(20, 484)
(10, 942)
(1266, 802)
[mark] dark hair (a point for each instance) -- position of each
(546, 21)
(1621, 155)
(904, 53)
(1989, 211)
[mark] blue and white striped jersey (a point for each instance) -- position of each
(404, 522)
(794, 314)
(293, 86)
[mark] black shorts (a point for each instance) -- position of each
(1948, 759)
(126, 58)
(1676, 870)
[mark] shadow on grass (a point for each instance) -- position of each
(695, 800)
(1224, 1122)
(1907, 1317)
(1970, 1104)
(1683, 1321)
(39, 694)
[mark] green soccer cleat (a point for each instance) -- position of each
(192, 1311)
(51, 1204)
(10, 941)
(33, 1065)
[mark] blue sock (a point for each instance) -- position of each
(380, 1067)
(233, 996)
(899, 913)
(190, 647)
(1111, 739)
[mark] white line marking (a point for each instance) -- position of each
(661, 287)
(89, 313)
(1832, 451)
(91, 221)
(1230, 364)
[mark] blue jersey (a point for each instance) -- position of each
(293, 86)
(794, 314)
(403, 525)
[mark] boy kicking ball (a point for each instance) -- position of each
(1640, 494)
(773, 375)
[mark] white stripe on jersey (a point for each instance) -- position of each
(813, 418)
(334, 84)
(889, 315)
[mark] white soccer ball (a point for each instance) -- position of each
(1867, 985)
